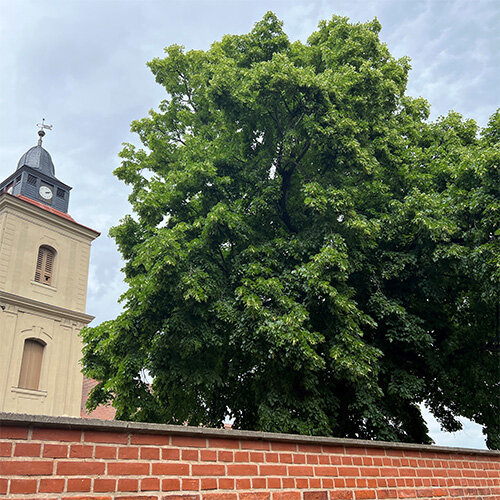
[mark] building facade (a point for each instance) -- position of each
(44, 262)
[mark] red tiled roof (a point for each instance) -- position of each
(53, 211)
(101, 412)
(46, 207)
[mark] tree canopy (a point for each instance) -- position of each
(307, 253)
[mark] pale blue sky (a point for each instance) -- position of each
(81, 65)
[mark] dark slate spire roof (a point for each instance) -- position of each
(39, 159)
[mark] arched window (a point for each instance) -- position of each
(45, 265)
(31, 365)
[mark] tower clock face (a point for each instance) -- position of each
(46, 192)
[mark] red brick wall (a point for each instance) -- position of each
(74, 458)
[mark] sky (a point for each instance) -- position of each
(81, 64)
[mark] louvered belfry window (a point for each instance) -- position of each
(45, 265)
(31, 365)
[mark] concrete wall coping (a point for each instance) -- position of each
(206, 432)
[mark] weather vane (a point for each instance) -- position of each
(41, 132)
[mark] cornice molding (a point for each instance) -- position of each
(9, 201)
(36, 305)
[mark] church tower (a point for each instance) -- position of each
(44, 260)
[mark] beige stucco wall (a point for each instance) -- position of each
(22, 234)
(53, 314)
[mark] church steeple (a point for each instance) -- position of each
(44, 256)
(35, 177)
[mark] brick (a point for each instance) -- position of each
(189, 441)
(259, 483)
(128, 497)
(208, 483)
(5, 449)
(327, 482)
(243, 483)
(224, 443)
(80, 468)
(273, 482)
(27, 450)
(255, 445)
(55, 450)
(128, 452)
(278, 446)
(22, 486)
(371, 471)
(128, 468)
(189, 454)
(382, 493)
(241, 456)
(105, 437)
(174, 469)
(255, 496)
(226, 483)
(225, 456)
(287, 495)
(92, 497)
(302, 483)
(50, 485)
(286, 458)
(350, 482)
(128, 484)
(57, 435)
(357, 450)
(365, 494)
(300, 470)
(170, 484)
(178, 497)
(348, 471)
(315, 495)
(242, 470)
(271, 470)
(210, 455)
(150, 453)
(208, 470)
(326, 470)
(13, 432)
(190, 484)
(170, 454)
(105, 452)
(4, 483)
(79, 484)
(154, 439)
(337, 450)
(81, 451)
(150, 484)
(25, 468)
(340, 495)
(388, 472)
(103, 485)
(310, 448)
(272, 457)
(299, 458)
(256, 456)
(413, 493)
(220, 496)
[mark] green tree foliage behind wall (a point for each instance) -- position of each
(307, 252)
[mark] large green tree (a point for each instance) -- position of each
(307, 252)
